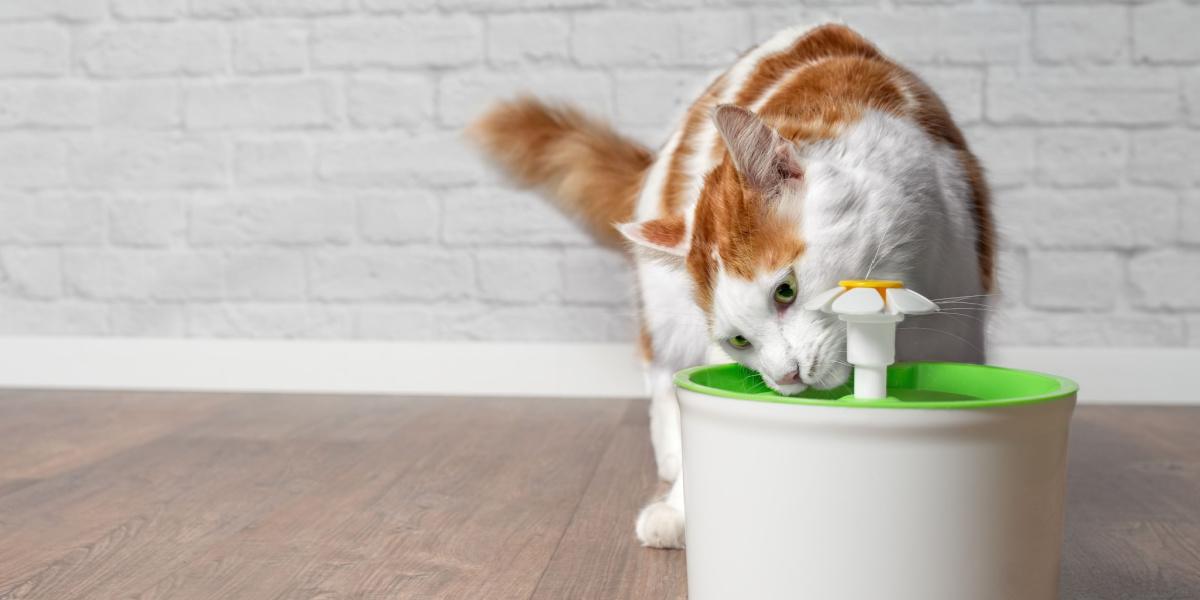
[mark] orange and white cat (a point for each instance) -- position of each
(813, 158)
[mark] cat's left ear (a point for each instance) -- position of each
(764, 158)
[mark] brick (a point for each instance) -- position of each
(267, 105)
(527, 38)
(416, 41)
(623, 38)
(66, 10)
(398, 6)
(1165, 157)
(1165, 279)
(422, 321)
(265, 275)
(1166, 33)
(390, 101)
(33, 50)
(1189, 222)
(408, 274)
(1007, 154)
(1097, 34)
(1087, 219)
(653, 97)
(1191, 92)
(266, 163)
(1074, 280)
(47, 105)
(146, 160)
(519, 275)
(268, 220)
(143, 274)
(464, 95)
(154, 50)
(270, 47)
(497, 216)
(31, 161)
(147, 319)
(549, 324)
(941, 35)
(150, 221)
(399, 217)
(1109, 95)
(30, 272)
(437, 159)
(37, 317)
(1012, 275)
(597, 276)
(713, 38)
(1075, 329)
(147, 10)
(231, 9)
(961, 88)
(253, 320)
(1081, 157)
(51, 220)
(504, 5)
(140, 105)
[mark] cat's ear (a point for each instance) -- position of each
(665, 238)
(763, 157)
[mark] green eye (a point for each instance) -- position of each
(785, 292)
(739, 342)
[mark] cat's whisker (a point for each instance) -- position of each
(957, 337)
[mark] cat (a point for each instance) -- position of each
(814, 158)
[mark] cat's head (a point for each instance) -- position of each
(777, 222)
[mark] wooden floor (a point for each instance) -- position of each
(111, 495)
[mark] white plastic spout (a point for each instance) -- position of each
(870, 382)
(871, 310)
(870, 347)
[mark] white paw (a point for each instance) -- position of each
(660, 525)
(668, 467)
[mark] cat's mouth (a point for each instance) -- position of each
(821, 376)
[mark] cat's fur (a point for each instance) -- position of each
(814, 155)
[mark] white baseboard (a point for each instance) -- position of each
(1105, 375)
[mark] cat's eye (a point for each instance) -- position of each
(785, 292)
(739, 342)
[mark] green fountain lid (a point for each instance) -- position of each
(938, 385)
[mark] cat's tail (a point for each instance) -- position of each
(586, 167)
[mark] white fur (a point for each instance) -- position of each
(882, 199)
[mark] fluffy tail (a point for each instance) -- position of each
(590, 170)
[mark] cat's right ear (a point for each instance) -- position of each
(665, 238)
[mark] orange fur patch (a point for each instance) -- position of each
(735, 226)
(674, 187)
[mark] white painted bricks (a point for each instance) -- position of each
(296, 169)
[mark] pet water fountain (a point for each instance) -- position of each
(931, 481)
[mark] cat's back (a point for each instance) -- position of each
(757, 76)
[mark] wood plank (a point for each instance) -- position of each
(1133, 505)
(469, 505)
(148, 509)
(186, 496)
(46, 433)
(599, 556)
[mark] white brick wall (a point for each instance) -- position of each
(294, 168)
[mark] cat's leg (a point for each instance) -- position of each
(660, 524)
(664, 423)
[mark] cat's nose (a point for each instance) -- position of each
(789, 379)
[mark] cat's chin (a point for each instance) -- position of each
(790, 389)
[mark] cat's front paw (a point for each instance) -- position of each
(660, 525)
